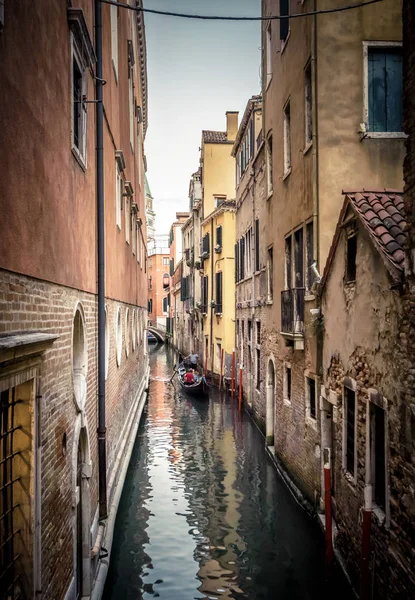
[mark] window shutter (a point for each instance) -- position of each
(394, 91)
(377, 91)
(236, 262)
(284, 23)
(256, 244)
(242, 258)
(219, 236)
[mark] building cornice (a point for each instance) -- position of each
(143, 63)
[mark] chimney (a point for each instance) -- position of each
(231, 124)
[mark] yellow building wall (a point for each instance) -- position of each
(223, 327)
(218, 174)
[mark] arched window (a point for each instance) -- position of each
(79, 358)
(166, 280)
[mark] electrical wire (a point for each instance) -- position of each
(218, 18)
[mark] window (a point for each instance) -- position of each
(310, 277)
(219, 237)
(287, 383)
(165, 305)
(287, 139)
(311, 398)
(349, 417)
(150, 283)
(308, 102)
(79, 107)
(268, 56)
(256, 244)
(384, 93)
(351, 251)
(205, 294)
(284, 23)
(206, 245)
(258, 368)
(218, 285)
(17, 522)
(377, 437)
(79, 359)
(298, 258)
(150, 306)
(248, 253)
(270, 274)
(134, 328)
(270, 185)
(218, 200)
(127, 219)
(258, 333)
(165, 261)
(114, 39)
(166, 280)
(249, 331)
(131, 101)
(171, 267)
(118, 196)
(134, 233)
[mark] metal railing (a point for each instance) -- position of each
(292, 311)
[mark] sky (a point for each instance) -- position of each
(197, 70)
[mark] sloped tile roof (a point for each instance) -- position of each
(383, 215)
(214, 136)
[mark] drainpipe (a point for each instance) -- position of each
(99, 112)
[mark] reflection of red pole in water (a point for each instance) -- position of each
(233, 373)
(221, 369)
(367, 521)
(240, 388)
(327, 503)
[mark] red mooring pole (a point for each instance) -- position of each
(221, 369)
(233, 374)
(327, 504)
(366, 525)
(240, 389)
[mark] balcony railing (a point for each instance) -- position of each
(292, 311)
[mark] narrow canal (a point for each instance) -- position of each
(204, 514)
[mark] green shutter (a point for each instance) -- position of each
(377, 91)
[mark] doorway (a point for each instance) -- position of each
(270, 404)
(82, 518)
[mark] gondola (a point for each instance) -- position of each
(199, 388)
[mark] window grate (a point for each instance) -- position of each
(9, 578)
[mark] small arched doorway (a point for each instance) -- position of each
(270, 403)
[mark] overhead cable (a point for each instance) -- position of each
(219, 18)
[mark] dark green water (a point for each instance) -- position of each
(204, 513)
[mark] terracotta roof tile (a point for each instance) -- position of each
(214, 136)
(384, 219)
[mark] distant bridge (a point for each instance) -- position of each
(158, 330)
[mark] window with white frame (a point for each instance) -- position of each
(127, 219)
(268, 55)
(218, 200)
(349, 427)
(134, 233)
(165, 261)
(118, 196)
(308, 106)
(270, 184)
(79, 107)
(287, 138)
(383, 106)
(114, 39)
(131, 100)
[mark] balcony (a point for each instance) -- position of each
(292, 316)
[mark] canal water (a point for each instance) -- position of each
(204, 514)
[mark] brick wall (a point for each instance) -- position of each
(28, 304)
